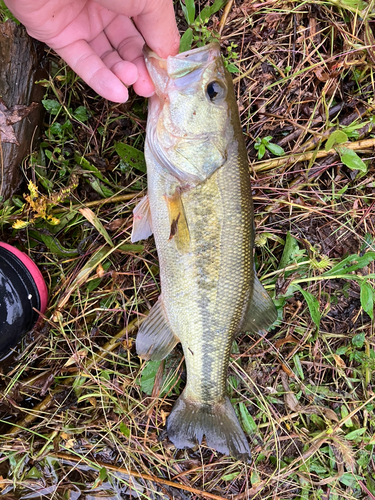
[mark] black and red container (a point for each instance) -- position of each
(23, 295)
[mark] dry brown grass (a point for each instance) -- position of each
(74, 415)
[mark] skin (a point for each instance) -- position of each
(102, 40)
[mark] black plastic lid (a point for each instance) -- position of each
(18, 296)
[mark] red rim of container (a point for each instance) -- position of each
(34, 271)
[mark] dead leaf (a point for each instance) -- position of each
(273, 19)
(9, 117)
(100, 271)
(312, 26)
(70, 443)
(285, 340)
(93, 402)
(287, 370)
(94, 220)
(321, 74)
(328, 413)
(164, 416)
(128, 343)
(339, 361)
(115, 224)
(76, 358)
(158, 381)
(2, 483)
(293, 404)
(290, 399)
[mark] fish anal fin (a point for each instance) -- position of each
(179, 227)
(189, 421)
(142, 225)
(155, 339)
(261, 312)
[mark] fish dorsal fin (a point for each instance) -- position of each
(179, 227)
(142, 225)
(155, 339)
(261, 311)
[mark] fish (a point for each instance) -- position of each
(199, 209)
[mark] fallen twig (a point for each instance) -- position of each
(224, 17)
(147, 477)
(266, 165)
(96, 203)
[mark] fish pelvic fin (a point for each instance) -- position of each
(142, 225)
(189, 421)
(155, 339)
(261, 312)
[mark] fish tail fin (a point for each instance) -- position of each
(189, 421)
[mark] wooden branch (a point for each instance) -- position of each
(22, 63)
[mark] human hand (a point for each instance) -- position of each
(102, 40)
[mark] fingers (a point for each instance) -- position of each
(155, 20)
(130, 49)
(89, 66)
(157, 23)
(124, 69)
(118, 48)
(103, 46)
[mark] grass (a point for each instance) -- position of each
(80, 413)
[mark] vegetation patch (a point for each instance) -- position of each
(80, 415)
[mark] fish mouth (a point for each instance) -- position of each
(181, 65)
(200, 53)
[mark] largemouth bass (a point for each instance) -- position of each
(200, 211)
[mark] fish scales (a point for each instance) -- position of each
(202, 289)
(201, 215)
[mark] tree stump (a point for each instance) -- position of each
(23, 62)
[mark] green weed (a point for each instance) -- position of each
(6, 14)
(198, 33)
(79, 411)
(261, 145)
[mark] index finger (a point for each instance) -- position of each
(155, 19)
(157, 24)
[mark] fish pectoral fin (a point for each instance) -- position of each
(179, 227)
(190, 420)
(261, 312)
(142, 225)
(155, 339)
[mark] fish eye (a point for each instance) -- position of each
(215, 91)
